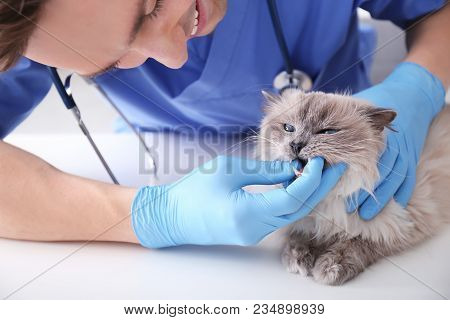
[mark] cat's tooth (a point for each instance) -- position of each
(196, 14)
(196, 22)
(194, 30)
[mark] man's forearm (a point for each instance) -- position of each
(429, 44)
(39, 202)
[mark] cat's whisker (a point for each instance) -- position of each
(382, 165)
(250, 139)
(364, 158)
(380, 142)
(259, 136)
(232, 148)
(268, 140)
(355, 154)
(254, 131)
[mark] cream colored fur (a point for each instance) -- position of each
(428, 208)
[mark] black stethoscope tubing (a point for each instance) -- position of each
(277, 27)
(66, 96)
(290, 78)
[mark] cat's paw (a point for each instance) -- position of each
(331, 269)
(297, 258)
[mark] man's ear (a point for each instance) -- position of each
(380, 118)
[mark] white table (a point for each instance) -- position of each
(123, 271)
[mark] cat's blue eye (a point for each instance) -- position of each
(289, 128)
(327, 131)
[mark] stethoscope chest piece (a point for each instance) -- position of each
(298, 79)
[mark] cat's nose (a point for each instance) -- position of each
(297, 147)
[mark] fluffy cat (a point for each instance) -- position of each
(329, 244)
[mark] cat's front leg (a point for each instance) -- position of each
(299, 253)
(344, 259)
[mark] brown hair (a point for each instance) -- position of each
(17, 22)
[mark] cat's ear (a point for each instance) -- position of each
(381, 118)
(270, 97)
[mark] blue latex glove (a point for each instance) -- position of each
(209, 207)
(417, 96)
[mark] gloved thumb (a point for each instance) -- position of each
(266, 172)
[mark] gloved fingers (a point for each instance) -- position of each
(330, 178)
(385, 166)
(304, 186)
(263, 172)
(284, 201)
(311, 187)
(406, 190)
(385, 191)
(273, 203)
(285, 184)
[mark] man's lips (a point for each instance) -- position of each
(203, 8)
(189, 19)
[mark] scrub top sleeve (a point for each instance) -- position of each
(22, 88)
(400, 12)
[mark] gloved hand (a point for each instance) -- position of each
(209, 207)
(417, 96)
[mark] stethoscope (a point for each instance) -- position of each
(290, 78)
(65, 92)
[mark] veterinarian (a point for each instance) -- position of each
(163, 65)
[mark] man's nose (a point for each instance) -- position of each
(297, 146)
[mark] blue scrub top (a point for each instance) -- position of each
(219, 86)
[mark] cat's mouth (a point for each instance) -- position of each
(303, 162)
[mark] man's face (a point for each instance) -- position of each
(91, 36)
